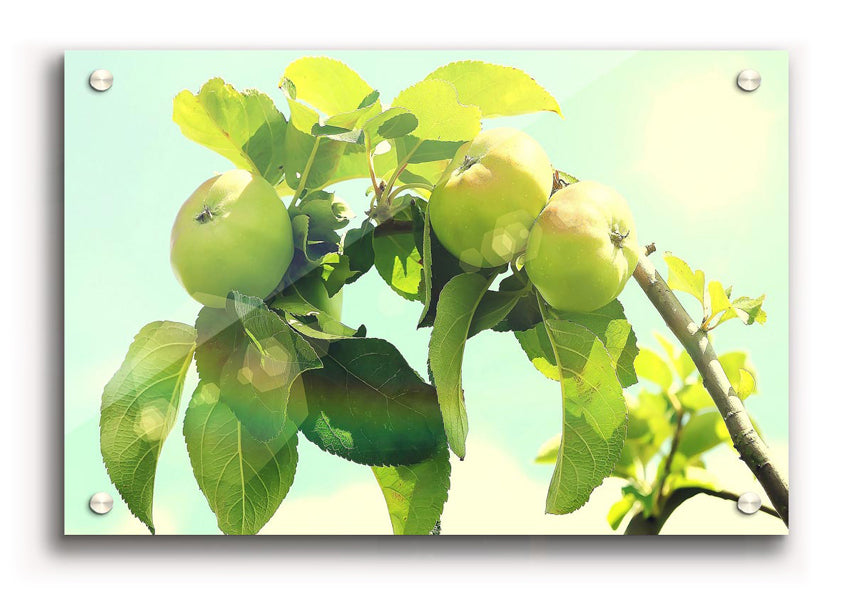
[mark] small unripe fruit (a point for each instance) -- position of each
(233, 233)
(582, 248)
(488, 197)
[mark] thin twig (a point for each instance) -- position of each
(409, 186)
(371, 164)
(652, 525)
(303, 180)
(674, 446)
(734, 498)
(750, 446)
(401, 167)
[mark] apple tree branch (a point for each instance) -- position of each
(750, 446)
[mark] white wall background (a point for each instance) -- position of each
(41, 561)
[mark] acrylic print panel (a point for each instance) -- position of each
(299, 287)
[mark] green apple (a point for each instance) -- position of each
(582, 248)
(233, 233)
(485, 202)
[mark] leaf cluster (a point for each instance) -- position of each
(266, 374)
(717, 303)
(672, 425)
(272, 368)
(275, 369)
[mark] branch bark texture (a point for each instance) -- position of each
(750, 446)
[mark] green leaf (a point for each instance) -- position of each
(321, 152)
(353, 164)
(369, 99)
(326, 211)
(496, 306)
(315, 221)
(138, 410)
(717, 295)
(244, 127)
(327, 84)
(428, 173)
(336, 272)
(357, 246)
(680, 360)
(415, 151)
(694, 397)
(244, 480)
(626, 467)
(567, 177)
(256, 381)
(609, 324)
(654, 368)
(646, 500)
(749, 310)
(220, 335)
(492, 309)
(594, 415)
(524, 316)
(415, 494)
(312, 243)
(392, 123)
(649, 420)
(367, 405)
(322, 329)
(680, 277)
(455, 309)
(733, 363)
(339, 134)
(620, 509)
(668, 346)
(740, 372)
(746, 384)
(322, 160)
(548, 452)
(701, 433)
(295, 301)
(684, 365)
(439, 113)
(691, 476)
(418, 206)
(649, 424)
(397, 259)
(535, 342)
(497, 90)
(438, 268)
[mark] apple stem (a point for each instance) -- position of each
(371, 163)
(468, 162)
(205, 216)
(618, 238)
(401, 167)
(409, 186)
(747, 442)
(302, 182)
(560, 180)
